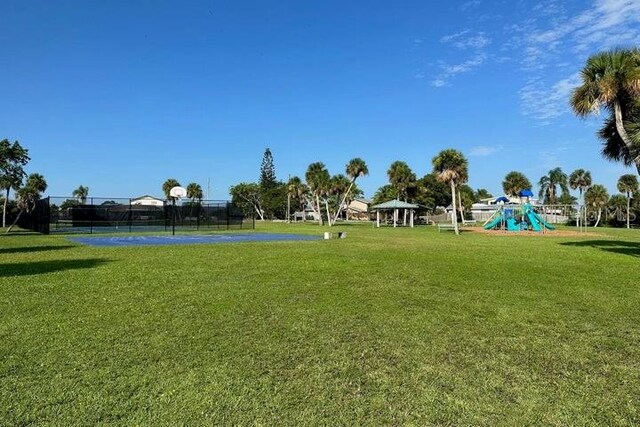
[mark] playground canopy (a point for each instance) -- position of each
(395, 206)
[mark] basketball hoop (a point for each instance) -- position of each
(178, 192)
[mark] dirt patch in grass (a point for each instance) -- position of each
(547, 233)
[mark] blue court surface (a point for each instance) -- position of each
(186, 240)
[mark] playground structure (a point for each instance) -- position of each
(517, 218)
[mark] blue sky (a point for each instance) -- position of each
(120, 95)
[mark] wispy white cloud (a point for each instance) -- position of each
(475, 42)
(603, 25)
(555, 44)
(465, 66)
(545, 103)
(484, 150)
(466, 40)
(556, 156)
(448, 71)
(455, 36)
(550, 43)
(548, 160)
(470, 4)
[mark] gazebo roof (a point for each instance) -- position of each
(395, 204)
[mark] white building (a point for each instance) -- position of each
(147, 200)
(487, 207)
(358, 209)
(512, 200)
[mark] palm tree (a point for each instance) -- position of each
(37, 183)
(10, 180)
(450, 166)
(596, 197)
(617, 203)
(401, 177)
(463, 180)
(293, 186)
(353, 194)
(338, 185)
(29, 194)
(354, 169)
(466, 197)
(613, 147)
(628, 184)
(81, 193)
(580, 180)
(167, 186)
(514, 182)
(611, 80)
(302, 194)
(194, 192)
(298, 190)
(318, 179)
(13, 157)
(549, 185)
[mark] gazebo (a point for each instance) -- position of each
(395, 206)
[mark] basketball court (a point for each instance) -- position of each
(188, 239)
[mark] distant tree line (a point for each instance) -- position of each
(28, 188)
(325, 195)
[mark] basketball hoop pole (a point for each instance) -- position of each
(175, 193)
(173, 217)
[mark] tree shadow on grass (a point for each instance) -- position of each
(614, 246)
(30, 268)
(29, 249)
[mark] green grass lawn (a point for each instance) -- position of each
(385, 327)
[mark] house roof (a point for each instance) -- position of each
(146, 196)
(515, 200)
(360, 199)
(357, 210)
(395, 204)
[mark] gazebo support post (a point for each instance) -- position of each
(411, 218)
(395, 218)
(378, 218)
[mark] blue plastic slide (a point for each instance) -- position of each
(511, 225)
(543, 222)
(493, 223)
(535, 225)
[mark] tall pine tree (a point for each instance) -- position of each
(272, 192)
(267, 171)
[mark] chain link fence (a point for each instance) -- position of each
(100, 214)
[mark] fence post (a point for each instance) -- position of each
(130, 216)
(48, 216)
(198, 216)
(228, 216)
(165, 214)
(91, 218)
